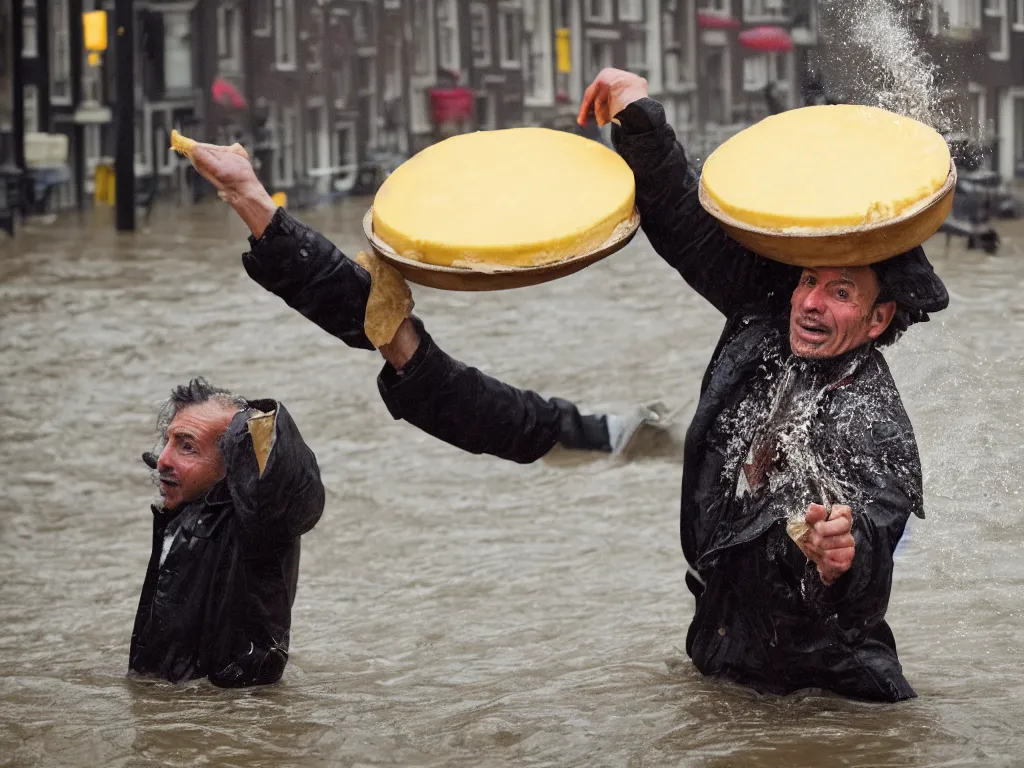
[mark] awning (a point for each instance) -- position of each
(770, 39)
(706, 20)
(227, 95)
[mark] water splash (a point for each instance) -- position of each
(873, 50)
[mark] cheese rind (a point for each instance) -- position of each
(513, 197)
(826, 167)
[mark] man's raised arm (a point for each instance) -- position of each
(680, 230)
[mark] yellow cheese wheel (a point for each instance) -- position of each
(513, 197)
(826, 167)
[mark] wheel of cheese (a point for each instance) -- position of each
(513, 197)
(826, 167)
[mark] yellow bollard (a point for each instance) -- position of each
(280, 199)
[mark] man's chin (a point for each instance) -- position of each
(806, 349)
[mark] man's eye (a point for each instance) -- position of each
(810, 280)
(842, 294)
(187, 447)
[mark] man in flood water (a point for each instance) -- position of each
(799, 419)
(239, 487)
(798, 416)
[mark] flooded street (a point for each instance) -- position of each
(455, 609)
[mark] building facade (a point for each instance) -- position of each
(321, 90)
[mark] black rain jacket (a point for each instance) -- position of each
(771, 434)
(221, 581)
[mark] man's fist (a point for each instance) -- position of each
(612, 91)
(829, 543)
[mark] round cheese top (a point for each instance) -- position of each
(513, 197)
(826, 167)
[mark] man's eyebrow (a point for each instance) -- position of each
(182, 434)
(844, 280)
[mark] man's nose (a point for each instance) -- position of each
(164, 463)
(814, 300)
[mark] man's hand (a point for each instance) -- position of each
(611, 92)
(829, 543)
(228, 169)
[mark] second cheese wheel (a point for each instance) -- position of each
(826, 167)
(513, 197)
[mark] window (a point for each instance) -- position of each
(60, 52)
(1018, 16)
(480, 34)
(720, 7)
(314, 40)
(764, 10)
(30, 43)
(392, 68)
(286, 131)
(448, 35)
(177, 51)
(228, 35)
(537, 43)
(510, 36)
(631, 10)
(422, 34)
(341, 82)
(362, 22)
(999, 42)
(600, 54)
(678, 51)
(962, 14)
(317, 139)
(261, 18)
(636, 55)
(761, 69)
(599, 11)
(31, 108)
(343, 155)
(284, 33)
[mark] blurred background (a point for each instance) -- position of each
(330, 95)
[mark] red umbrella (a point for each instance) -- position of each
(771, 39)
(707, 20)
(225, 94)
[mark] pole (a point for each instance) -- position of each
(18, 91)
(124, 158)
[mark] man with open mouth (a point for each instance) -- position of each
(239, 487)
(800, 468)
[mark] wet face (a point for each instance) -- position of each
(832, 311)
(191, 461)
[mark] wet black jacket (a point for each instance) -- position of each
(770, 435)
(218, 593)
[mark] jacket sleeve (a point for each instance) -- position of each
(889, 475)
(302, 267)
(472, 411)
(272, 475)
(677, 226)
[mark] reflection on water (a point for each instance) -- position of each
(452, 609)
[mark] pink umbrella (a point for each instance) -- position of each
(770, 39)
(225, 94)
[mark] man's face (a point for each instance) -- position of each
(191, 461)
(832, 311)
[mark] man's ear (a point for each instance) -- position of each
(881, 316)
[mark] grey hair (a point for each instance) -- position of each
(196, 392)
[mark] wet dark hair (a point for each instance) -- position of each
(901, 320)
(196, 392)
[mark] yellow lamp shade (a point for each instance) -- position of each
(94, 24)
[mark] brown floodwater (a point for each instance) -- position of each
(456, 609)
